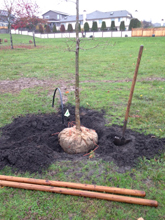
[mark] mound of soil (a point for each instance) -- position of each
(30, 143)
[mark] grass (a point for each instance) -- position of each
(105, 80)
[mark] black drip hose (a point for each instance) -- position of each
(62, 109)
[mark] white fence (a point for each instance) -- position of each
(73, 35)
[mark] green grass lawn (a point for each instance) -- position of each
(105, 81)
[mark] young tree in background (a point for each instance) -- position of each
(9, 6)
(86, 27)
(113, 26)
(54, 28)
(103, 26)
(70, 28)
(62, 28)
(122, 26)
(134, 23)
(94, 26)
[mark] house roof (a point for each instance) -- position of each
(58, 12)
(98, 15)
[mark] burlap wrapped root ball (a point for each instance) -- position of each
(74, 141)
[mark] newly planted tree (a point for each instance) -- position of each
(77, 139)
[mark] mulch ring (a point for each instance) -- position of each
(24, 46)
(28, 143)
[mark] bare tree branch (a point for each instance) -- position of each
(89, 48)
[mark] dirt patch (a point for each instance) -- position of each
(15, 86)
(125, 80)
(28, 144)
(19, 47)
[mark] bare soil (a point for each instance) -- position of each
(15, 86)
(2, 47)
(30, 143)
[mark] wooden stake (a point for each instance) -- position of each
(114, 190)
(82, 193)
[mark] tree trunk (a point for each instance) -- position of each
(77, 98)
(34, 39)
(11, 40)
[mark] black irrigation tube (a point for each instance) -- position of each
(62, 108)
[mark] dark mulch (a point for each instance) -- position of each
(28, 144)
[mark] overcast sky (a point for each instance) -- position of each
(149, 10)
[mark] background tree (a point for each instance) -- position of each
(113, 28)
(86, 27)
(41, 29)
(94, 26)
(147, 24)
(27, 13)
(134, 23)
(9, 6)
(62, 28)
(48, 29)
(54, 28)
(70, 28)
(79, 27)
(103, 26)
(122, 26)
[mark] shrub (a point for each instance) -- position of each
(94, 26)
(70, 28)
(113, 28)
(122, 26)
(54, 28)
(134, 23)
(62, 28)
(86, 27)
(103, 26)
(79, 28)
(48, 29)
(41, 29)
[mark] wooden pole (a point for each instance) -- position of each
(82, 193)
(114, 190)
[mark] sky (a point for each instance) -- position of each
(148, 10)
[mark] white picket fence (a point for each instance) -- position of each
(73, 35)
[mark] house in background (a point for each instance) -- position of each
(3, 19)
(54, 17)
(98, 16)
